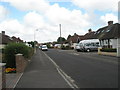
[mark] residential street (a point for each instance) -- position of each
(89, 70)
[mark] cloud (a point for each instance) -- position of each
(101, 5)
(45, 17)
(72, 21)
(27, 5)
(108, 17)
(33, 19)
(3, 12)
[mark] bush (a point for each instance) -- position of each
(65, 47)
(12, 49)
(108, 50)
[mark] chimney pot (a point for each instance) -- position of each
(3, 32)
(110, 23)
(90, 30)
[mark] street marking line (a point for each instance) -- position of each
(67, 78)
(18, 80)
(74, 54)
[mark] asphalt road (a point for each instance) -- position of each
(89, 70)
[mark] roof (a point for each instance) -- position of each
(89, 35)
(75, 38)
(5, 39)
(108, 32)
(16, 39)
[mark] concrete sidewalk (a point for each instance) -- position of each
(41, 73)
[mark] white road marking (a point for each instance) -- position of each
(74, 54)
(18, 80)
(67, 78)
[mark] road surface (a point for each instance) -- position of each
(89, 70)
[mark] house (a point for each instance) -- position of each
(4, 39)
(17, 40)
(74, 40)
(89, 35)
(108, 35)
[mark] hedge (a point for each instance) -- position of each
(109, 50)
(12, 49)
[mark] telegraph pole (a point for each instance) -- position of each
(60, 33)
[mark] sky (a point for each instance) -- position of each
(39, 19)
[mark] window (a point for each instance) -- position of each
(98, 32)
(108, 30)
(103, 30)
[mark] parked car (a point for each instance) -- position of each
(77, 47)
(89, 45)
(44, 48)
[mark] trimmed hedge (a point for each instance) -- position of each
(12, 49)
(109, 50)
(65, 47)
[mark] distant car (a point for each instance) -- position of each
(44, 48)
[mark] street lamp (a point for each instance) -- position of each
(34, 41)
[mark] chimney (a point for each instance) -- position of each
(75, 34)
(3, 32)
(110, 23)
(90, 30)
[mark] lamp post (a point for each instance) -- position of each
(34, 41)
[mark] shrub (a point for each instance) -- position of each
(12, 49)
(109, 50)
(63, 47)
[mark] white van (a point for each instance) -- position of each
(89, 45)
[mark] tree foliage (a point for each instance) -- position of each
(61, 39)
(14, 48)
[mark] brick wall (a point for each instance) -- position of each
(21, 63)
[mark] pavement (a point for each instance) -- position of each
(41, 73)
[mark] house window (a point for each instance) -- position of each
(108, 30)
(98, 32)
(103, 30)
(106, 41)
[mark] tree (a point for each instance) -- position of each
(31, 43)
(68, 37)
(61, 39)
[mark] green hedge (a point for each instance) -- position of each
(109, 50)
(65, 47)
(14, 48)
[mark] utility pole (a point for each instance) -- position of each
(60, 33)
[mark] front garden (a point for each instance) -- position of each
(9, 53)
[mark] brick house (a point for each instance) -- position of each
(74, 40)
(4, 39)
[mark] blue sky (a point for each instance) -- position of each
(76, 16)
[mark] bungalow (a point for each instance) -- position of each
(74, 40)
(17, 40)
(4, 39)
(108, 35)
